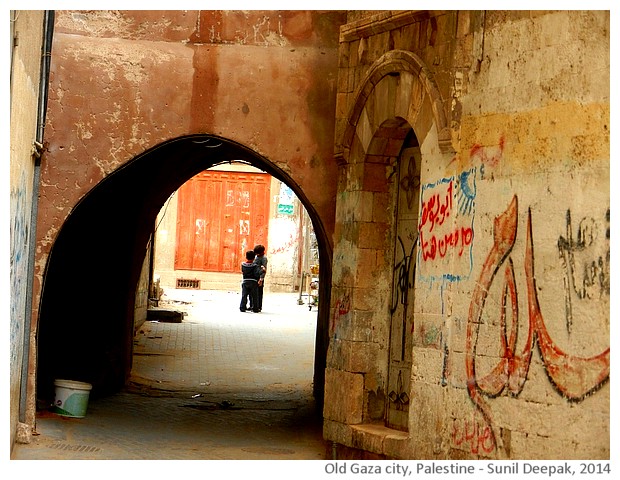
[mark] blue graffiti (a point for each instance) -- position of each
(19, 240)
(467, 191)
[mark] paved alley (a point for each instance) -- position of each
(221, 385)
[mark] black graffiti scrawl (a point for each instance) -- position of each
(586, 272)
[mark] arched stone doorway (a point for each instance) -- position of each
(95, 263)
(396, 136)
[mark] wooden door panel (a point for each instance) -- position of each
(184, 237)
(220, 216)
(403, 288)
(200, 226)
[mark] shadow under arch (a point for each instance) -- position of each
(85, 328)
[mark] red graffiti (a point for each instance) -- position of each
(435, 242)
(342, 307)
(437, 247)
(489, 155)
(478, 436)
(284, 246)
(574, 377)
(435, 211)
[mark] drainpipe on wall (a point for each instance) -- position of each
(46, 51)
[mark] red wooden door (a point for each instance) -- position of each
(221, 215)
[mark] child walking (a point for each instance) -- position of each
(249, 285)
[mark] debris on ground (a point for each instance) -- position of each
(163, 315)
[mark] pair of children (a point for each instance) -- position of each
(253, 271)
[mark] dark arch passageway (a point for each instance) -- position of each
(85, 329)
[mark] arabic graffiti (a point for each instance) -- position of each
(572, 376)
(478, 435)
(446, 226)
(284, 235)
(594, 282)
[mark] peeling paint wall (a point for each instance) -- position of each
(510, 299)
(125, 83)
(122, 82)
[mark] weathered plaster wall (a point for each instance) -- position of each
(125, 81)
(510, 322)
(27, 27)
(286, 241)
(538, 136)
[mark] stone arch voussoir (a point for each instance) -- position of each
(395, 63)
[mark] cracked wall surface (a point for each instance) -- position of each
(125, 83)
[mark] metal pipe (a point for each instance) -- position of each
(14, 16)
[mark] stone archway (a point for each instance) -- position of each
(397, 85)
(396, 101)
(85, 328)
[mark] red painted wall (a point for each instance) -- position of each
(123, 82)
(126, 83)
